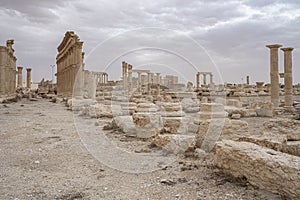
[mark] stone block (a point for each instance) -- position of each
(268, 169)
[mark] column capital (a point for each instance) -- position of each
(28, 69)
(287, 49)
(20, 67)
(272, 46)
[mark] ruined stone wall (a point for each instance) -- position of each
(70, 68)
(7, 69)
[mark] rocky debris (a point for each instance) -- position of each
(234, 103)
(268, 169)
(211, 121)
(176, 144)
(288, 127)
(235, 116)
(263, 109)
(147, 121)
(210, 131)
(126, 125)
(171, 117)
(100, 111)
(211, 111)
(190, 105)
(280, 135)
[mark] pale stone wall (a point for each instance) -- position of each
(7, 69)
(70, 68)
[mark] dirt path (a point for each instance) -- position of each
(42, 157)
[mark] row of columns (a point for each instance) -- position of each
(70, 67)
(274, 75)
(127, 72)
(7, 69)
(101, 78)
(204, 74)
(20, 77)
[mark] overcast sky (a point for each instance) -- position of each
(225, 37)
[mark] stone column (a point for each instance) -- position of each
(288, 77)
(198, 80)
(139, 82)
(20, 79)
(129, 78)
(28, 77)
(204, 79)
(211, 81)
(158, 83)
(274, 76)
(149, 83)
(248, 80)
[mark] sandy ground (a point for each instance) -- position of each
(42, 157)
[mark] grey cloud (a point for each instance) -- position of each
(233, 32)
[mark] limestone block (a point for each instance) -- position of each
(171, 124)
(268, 169)
(101, 111)
(176, 144)
(263, 109)
(212, 115)
(147, 124)
(234, 103)
(236, 116)
(276, 142)
(171, 107)
(211, 107)
(209, 132)
(126, 125)
(288, 127)
(190, 105)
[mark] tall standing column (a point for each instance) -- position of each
(211, 80)
(198, 80)
(248, 80)
(158, 83)
(204, 79)
(28, 77)
(288, 76)
(139, 82)
(274, 76)
(149, 83)
(129, 78)
(20, 79)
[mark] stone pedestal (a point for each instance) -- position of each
(171, 117)
(211, 122)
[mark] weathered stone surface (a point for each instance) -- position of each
(125, 124)
(171, 124)
(236, 116)
(263, 109)
(288, 127)
(268, 169)
(176, 144)
(101, 111)
(234, 103)
(210, 131)
(190, 105)
(276, 142)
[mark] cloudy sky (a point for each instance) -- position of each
(169, 36)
